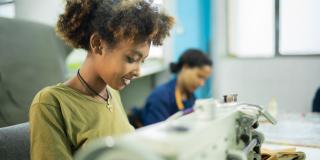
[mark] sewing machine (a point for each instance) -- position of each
(211, 130)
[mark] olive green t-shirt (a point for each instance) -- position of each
(62, 120)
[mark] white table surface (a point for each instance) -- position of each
(301, 131)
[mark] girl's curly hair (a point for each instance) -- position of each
(113, 20)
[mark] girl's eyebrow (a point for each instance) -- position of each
(137, 53)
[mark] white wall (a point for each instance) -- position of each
(292, 81)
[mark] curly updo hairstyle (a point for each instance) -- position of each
(114, 20)
(192, 58)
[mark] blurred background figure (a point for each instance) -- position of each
(191, 72)
(316, 102)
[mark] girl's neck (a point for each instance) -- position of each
(90, 77)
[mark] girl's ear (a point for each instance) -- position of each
(96, 44)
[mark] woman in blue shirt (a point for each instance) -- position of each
(192, 70)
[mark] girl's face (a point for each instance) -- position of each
(195, 77)
(117, 67)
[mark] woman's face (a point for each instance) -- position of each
(194, 77)
(117, 67)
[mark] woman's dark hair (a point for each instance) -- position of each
(192, 58)
(114, 20)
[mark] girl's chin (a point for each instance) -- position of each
(118, 87)
(121, 87)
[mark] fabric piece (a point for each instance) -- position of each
(283, 154)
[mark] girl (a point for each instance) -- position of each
(117, 35)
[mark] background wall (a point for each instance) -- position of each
(291, 81)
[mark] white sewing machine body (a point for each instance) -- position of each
(227, 133)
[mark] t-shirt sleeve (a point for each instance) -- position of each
(47, 133)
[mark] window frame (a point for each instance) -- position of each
(8, 2)
(277, 53)
(277, 36)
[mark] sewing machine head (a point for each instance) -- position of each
(215, 129)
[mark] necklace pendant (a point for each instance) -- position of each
(110, 108)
